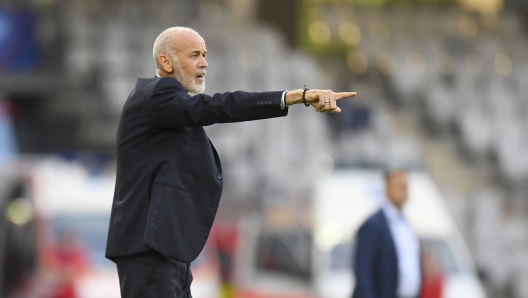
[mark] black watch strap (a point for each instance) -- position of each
(304, 96)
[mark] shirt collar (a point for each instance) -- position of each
(392, 213)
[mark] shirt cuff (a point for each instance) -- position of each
(283, 100)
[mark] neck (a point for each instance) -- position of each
(399, 207)
(163, 73)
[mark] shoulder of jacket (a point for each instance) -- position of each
(157, 83)
(167, 82)
(375, 219)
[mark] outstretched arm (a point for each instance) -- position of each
(171, 106)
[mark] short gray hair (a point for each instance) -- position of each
(164, 43)
(388, 172)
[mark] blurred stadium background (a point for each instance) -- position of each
(442, 90)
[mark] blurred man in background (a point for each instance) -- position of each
(169, 177)
(387, 260)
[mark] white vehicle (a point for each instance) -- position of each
(346, 198)
(66, 210)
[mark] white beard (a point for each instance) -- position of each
(188, 82)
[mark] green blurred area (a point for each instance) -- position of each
(325, 25)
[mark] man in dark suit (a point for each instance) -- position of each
(169, 177)
(387, 259)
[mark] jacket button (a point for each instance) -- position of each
(214, 204)
(219, 176)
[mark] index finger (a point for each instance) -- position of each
(342, 95)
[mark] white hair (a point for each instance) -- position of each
(164, 43)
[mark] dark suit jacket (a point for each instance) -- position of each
(376, 261)
(169, 177)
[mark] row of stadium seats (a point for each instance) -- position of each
(469, 74)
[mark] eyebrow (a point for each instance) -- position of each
(198, 52)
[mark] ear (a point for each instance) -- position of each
(166, 62)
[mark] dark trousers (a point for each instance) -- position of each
(152, 275)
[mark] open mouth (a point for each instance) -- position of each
(200, 76)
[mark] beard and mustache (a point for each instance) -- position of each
(189, 82)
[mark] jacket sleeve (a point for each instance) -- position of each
(365, 260)
(171, 106)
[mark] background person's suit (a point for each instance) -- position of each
(376, 260)
(169, 177)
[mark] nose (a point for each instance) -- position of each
(202, 63)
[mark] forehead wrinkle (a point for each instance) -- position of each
(188, 41)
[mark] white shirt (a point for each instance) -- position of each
(407, 250)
